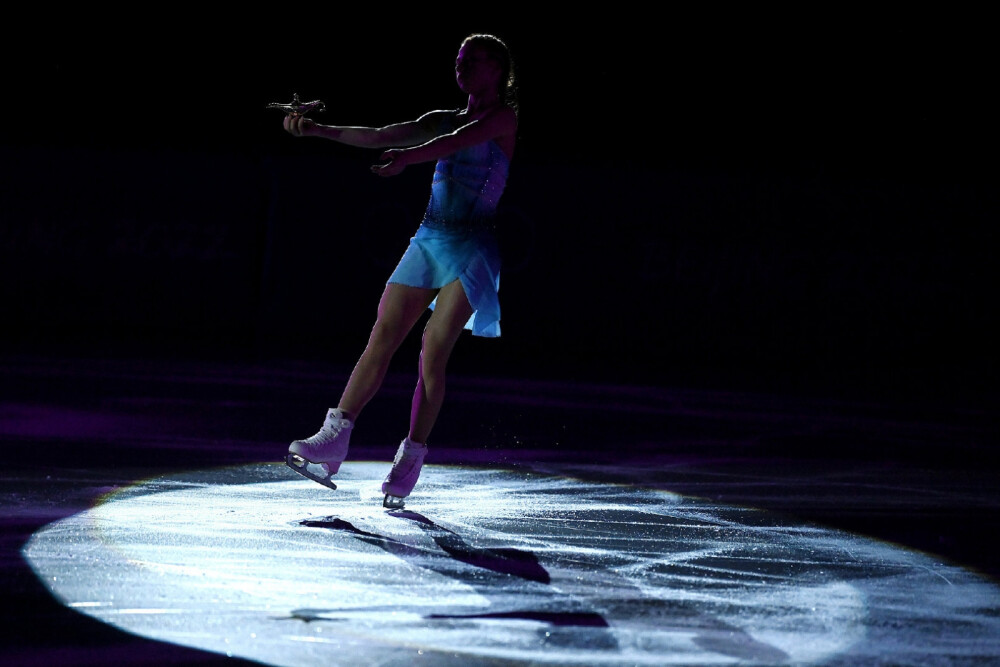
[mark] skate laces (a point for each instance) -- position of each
(335, 423)
(331, 428)
(335, 426)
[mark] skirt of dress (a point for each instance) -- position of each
(436, 257)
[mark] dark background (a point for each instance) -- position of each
(795, 201)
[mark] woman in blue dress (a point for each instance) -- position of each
(452, 264)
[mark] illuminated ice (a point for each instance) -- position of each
(510, 565)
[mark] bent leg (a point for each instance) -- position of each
(443, 328)
(398, 310)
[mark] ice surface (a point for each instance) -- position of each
(514, 565)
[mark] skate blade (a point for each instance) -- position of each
(393, 502)
(317, 472)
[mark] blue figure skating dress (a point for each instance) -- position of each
(456, 238)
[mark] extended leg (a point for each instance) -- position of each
(319, 456)
(399, 309)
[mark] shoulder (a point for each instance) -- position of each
(500, 120)
(439, 120)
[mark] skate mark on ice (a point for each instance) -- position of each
(558, 619)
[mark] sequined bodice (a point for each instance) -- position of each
(466, 188)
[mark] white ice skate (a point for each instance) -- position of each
(318, 457)
(403, 476)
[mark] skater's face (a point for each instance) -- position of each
(476, 71)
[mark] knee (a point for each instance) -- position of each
(434, 352)
(384, 339)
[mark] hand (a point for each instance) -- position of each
(394, 163)
(298, 125)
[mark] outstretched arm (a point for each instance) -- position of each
(501, 122)
(409, 133)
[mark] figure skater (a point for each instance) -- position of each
(452, 264)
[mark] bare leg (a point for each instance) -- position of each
(450, 314)
(398, 310)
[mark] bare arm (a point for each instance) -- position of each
(499, 124)
(409, 133)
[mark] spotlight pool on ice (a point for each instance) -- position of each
(514, 565)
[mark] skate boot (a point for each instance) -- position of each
(405, 471)
(318, 457)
